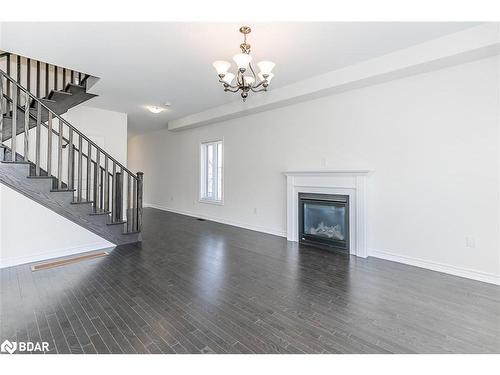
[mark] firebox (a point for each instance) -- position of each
(324, 220)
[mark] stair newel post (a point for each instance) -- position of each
(37, 138)
(59, 155)
(140, 176)
(89, 171)
(119, 196)
(26, 125)
(113, 192)
(134, 204)
(129, 202)
(70, 159)
(79, 171)
(14, 123)
(106, 183)
(49, 145)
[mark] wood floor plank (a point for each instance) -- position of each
(204, 287)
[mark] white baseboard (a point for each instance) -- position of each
(10, 262)
(434, 266)
(280, 233)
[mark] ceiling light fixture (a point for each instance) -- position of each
(244, 82)
(155, 109)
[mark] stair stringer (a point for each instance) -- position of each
(15, 175)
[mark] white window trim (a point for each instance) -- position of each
(202, 171)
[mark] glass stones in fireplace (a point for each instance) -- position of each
(324, 220)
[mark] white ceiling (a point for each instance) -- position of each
(150, 63)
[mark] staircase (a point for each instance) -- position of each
(53, 163)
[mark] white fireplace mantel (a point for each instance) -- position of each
(338, 181)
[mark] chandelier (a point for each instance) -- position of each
(245, 79)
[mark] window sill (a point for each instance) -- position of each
(210, 201)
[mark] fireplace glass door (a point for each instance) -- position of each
(324, 220)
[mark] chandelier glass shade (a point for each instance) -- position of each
(244, 79)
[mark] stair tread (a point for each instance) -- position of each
(100, 211)
(82, 202)
(117, 222)
(62, 190)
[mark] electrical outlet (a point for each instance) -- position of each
(470, 242)
(323, 162)
(255, 211)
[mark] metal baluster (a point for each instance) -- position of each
(72, 76)
(119, 196)
(70, 159)
(101, 191)
(14, 122)
(49, 145)
(64, 78)
(106, 184)
(28, 74)
(46, 80)
(18, 77)
(79, 178)
(97, 182)
(55, 77)
(59, 156)
(89, 163)
(38, 79)
(140, 177)
(96, 188)
(113, 192)
(8, 82)
(37, 138)
(26, 126)
(129, 203)
(79, 78)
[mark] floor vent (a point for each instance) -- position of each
(66, 261)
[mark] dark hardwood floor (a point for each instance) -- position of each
(202, 287)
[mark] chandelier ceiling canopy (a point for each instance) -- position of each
(244, 78)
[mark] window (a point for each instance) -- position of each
(211, 172)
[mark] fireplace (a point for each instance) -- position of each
(324, 220)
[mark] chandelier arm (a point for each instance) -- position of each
(253, 72)
(236, 90)
(260, 84)
(225, 83)
(260, 90)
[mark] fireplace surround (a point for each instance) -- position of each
(351, 183)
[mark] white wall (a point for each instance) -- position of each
(50, 234)
(432, 140)
(106, 128)
(31, 232)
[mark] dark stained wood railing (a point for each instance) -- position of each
(60, 149)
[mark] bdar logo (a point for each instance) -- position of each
(8, 346)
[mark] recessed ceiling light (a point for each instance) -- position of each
(155, 109)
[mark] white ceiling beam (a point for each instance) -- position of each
(468, 45)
